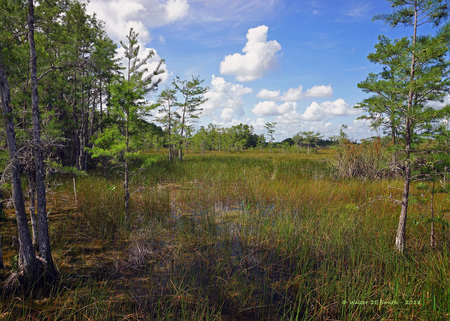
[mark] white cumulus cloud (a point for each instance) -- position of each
(293, 94)
(296, 94)
(440, 104)
(270, 108)
(319, 92)
(120, 15)
(259, 56)
(141, 15)
(172, 11)
(225, 96)
(327, 110)
(267, 94)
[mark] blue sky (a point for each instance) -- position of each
(296, 63)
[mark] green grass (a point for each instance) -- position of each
(242, 236)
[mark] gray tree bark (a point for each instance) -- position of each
(126, 178)
(44, 239)
(28, 258)
(1, 217)
(1, 254)
(32, 209)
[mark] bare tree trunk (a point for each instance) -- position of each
(29, 262)
(2, 215)
(432, 233)
(1, 254)
(32, 208)
(76, 140)
(44, 240)
(180, 150)
(101, 107)
(126, 178)
(2, 212)
(170, 140)
(91, 120)
(180, 147)
(127, 192)
(401, 230)
(82, 133)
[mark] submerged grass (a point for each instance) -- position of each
(244, 236)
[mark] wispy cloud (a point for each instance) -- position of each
(234, 11)
(359, 10)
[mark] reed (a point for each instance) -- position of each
(244, 236)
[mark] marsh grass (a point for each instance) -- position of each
(244, 236)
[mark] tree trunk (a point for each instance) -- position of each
(126, 179)
(432, 233)
(76, 140)
(2, 216)
(2, 212)
(44, 240)
(32, 208)
(101, 107)
(180, 150)
(1, 254)
(393, 164)
(180, 147)
(127, 192)
(170, 139)
(90, 132)
(401, 230)
(29, 262)
(82, 133)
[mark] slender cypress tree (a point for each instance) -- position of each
(415, 72)
(193, 97)
(44, 239)
(28, 258)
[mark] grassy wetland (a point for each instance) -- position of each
(235, 236)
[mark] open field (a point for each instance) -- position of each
(242, 236)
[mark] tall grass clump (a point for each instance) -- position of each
(101, 205)
(244, 236)
(368, 160)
